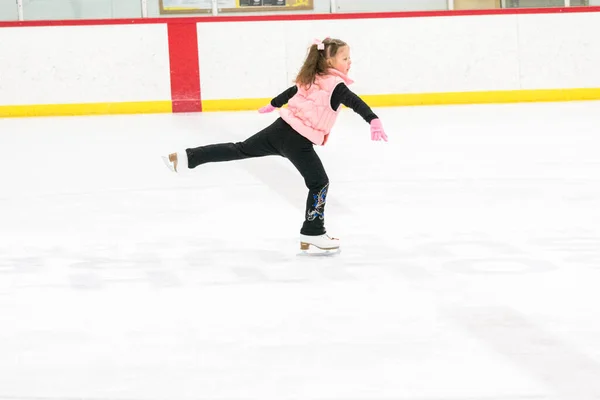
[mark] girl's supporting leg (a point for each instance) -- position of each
(300, 151)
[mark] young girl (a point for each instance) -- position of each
(313, 105)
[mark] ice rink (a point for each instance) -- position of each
(470, 267)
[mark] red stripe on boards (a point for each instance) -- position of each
(185, 69)
(303, 17)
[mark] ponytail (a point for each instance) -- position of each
(316, 62)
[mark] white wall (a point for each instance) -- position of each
(439, 54)
(559, 51)
(423, 55)
(82, 64)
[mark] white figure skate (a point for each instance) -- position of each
(321, 244)
(176, 162)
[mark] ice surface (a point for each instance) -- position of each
(469, 270)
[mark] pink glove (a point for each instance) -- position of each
(377, 132)
(266, 109)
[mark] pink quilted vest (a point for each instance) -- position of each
(309, 112)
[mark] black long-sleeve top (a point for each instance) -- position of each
(341, 95)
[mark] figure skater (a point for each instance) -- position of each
(314, 103)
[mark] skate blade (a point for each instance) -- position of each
(323, 253)
(168, 163)
(314, 251)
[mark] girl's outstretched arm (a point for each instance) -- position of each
(280, 100)
(343, 95)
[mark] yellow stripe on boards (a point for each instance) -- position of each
(504, 96)
(253, 104)
(234, 104)
(424, 99)
(48, 110)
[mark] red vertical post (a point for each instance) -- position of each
(184, 66)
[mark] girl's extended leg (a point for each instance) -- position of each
(258, 145)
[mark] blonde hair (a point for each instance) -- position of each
(316, 61)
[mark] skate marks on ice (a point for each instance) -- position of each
(163, 263)
(479, 280)
(421, 261)
(560, 366)
(157, 264)
(535, 274)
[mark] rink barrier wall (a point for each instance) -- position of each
(165, 65)
(84, 70)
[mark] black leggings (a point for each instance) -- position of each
(278, 139)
